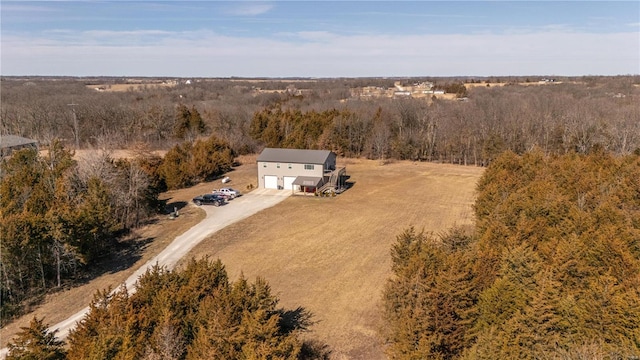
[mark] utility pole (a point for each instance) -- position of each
(76, 135)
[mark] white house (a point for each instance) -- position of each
(298, 170)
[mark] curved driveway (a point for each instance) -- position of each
(216, 219)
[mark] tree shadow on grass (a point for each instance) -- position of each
(313, 349)
(126, 253)
(127, 249)
(168, 206)
(299, 320)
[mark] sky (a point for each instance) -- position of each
(319, 38)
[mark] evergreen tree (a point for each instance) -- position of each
(552, 270)
(95, 222)
(175, 167)
(195, 313)
(210, 158)
(188, 123)
(36, 342)
(428, 303)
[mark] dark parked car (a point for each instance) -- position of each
(227, 193)
(207, 199)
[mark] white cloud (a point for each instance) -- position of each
(249, 9)
(323, 54)
(19, 7)
(315, 35)
(114, 33)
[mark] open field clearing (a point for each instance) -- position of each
(129, 87)
(331, 255)
(328, 255)
(494, 84)
(90, 154)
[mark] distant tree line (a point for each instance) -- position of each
(558, 119)
(550, 272)
(575, 115)
(193, 313)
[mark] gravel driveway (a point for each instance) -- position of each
(216, 219)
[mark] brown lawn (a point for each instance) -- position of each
(532, 83)
(328, 255)
(129, 87)
(331, 255)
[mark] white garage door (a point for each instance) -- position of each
(288, 182)
(270, 182)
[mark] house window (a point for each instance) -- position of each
(278, 166)
(308, 166)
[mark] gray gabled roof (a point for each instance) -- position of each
(295, 156)
(9, 141)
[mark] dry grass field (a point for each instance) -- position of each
(532, 83)
(328, 255)
(331, 255)
(129, 87)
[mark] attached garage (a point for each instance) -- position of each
(281, 168)
(270, 182)
(288, 182)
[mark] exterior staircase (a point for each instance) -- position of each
(333, 183)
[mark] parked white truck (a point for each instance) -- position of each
(227, 192)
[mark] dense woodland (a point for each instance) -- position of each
(573, 114)
(552, 270)
(61, 216)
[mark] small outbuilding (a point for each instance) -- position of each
(299, 170)
(11, 143)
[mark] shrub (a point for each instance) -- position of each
(186, 164)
